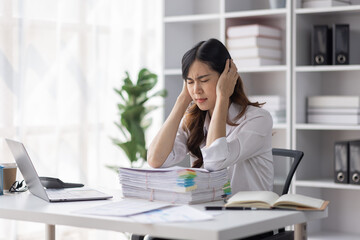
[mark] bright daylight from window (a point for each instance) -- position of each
(59, 63)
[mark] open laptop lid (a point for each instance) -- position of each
(32, 179)
(27, 169)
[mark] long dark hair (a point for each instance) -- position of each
(213, 53)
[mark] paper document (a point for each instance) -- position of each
(125, 207)
(176, 185)
(183, 213)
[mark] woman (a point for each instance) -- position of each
(220, 128)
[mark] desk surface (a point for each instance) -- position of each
(227, 225)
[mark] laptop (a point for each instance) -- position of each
(33, 181)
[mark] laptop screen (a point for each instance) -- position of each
(27, 169)
(33, 181)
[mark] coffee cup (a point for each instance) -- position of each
(9, 174)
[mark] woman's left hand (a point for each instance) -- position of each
(227, 80)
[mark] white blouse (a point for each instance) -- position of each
(246, 150)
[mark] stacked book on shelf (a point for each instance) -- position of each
(324, 3)
(334, 110)
(254, 45)
(275, 104)
(176, 184)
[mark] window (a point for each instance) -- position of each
(59, 63)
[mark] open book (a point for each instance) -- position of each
(267, 199)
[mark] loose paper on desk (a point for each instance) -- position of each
(182, 213)
(125, 207)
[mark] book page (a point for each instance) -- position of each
(252, 199)
(297, 200)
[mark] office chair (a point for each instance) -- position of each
(281, 186)
(293, 157)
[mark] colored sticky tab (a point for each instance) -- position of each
(186, 173)
(186, 179)
(227, 188)
(187, 183)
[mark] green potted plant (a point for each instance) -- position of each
(132, 112)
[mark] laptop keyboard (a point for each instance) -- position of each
(70, 194)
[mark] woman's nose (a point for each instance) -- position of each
(197, 87)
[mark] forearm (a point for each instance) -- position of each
(217, 127)
(163, 143)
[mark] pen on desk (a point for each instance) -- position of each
(209, 208)
(214, 208)
(219, 208)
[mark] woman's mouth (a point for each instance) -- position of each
(201, 100)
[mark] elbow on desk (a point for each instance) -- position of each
(152, 161)
(154, 165)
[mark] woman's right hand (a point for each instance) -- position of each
(163, 143)
(184, 94)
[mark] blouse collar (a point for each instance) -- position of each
(233, 111)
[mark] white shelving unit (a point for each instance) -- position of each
(190, 21)
(316, 172)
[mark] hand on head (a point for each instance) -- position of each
(185, 94)
(227, 80)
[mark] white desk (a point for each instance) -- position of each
(228, 225)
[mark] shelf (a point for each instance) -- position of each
(273, 13)
(329, 235)
(305, 126)
(325, 183)
(329, 10)
(279, 68)
(355, 67)
(191, 18)
(279, 126)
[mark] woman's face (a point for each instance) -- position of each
(201, 84)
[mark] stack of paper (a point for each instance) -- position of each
(275, 104)
(334, 109)
(324, 3)
(254, 45)
(175, 185)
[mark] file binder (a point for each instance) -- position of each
(341, 160)
(321, 45)
(341, 44)
(355, 162)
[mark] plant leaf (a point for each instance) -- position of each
(127, 80)
(160, 93)
(146, 123)
(137, 133)
(143, 152)
(119, 92)
(121, 128)
(130, 150)
(132, 113)
(145, 75)
(150, 109)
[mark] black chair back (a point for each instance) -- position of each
(294, 156)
